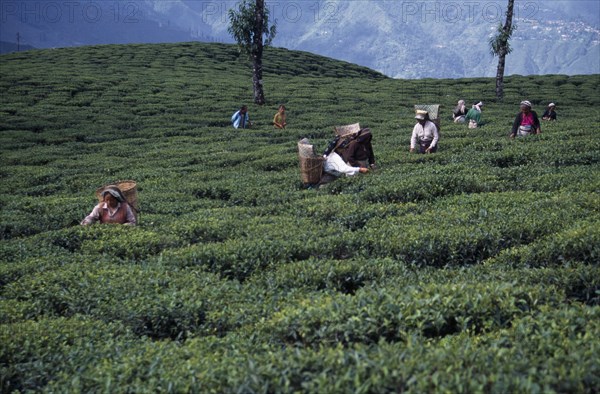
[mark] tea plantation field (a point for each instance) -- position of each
(474, 269)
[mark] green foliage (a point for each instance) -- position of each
(500, 43)
(474, 269)
(35, 353)
(242, 26)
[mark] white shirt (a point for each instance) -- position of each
(335, 165)
(424, 133)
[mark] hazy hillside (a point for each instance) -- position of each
(7, 47)
(471, 270)
(402, 39)
(432, 39)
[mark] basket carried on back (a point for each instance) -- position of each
(311, 164)
(348, 129)
(433, 110)
(129, 190)
(311, 169)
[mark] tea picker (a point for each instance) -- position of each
(117, 204)
(317, 170)
(425, 134)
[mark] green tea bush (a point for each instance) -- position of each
(580, 282)
(131, 243)
(475, 228)
(227, 365)
(431, 311)
(345, 276)
(39, 352)
(577, 243)
(150, 302)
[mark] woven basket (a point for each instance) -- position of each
(305, 149)
(348, 129)
(311, 169)
(433, 110)
(129, 190)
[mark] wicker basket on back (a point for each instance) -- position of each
(311, 164)
(347, 130)
(433, 110)
(129, 190)
(346, 134)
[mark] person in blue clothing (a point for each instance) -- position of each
(240, 119)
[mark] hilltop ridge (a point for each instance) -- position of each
(277, 61)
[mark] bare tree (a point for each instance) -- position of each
(500, 46)
(248, 24)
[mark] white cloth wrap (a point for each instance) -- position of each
(335, 165)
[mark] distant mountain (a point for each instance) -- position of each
(403, 39)
(7, 47)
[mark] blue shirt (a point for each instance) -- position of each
(240, 120)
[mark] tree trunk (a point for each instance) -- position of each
(504, 50)
(259, 96)
(500, 75)
(257, 52)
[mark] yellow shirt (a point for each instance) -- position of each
(279, 120)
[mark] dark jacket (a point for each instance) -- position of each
(519, 118)
(550, 113)
(359, 149)
(456, 112)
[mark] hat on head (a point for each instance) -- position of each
(421, 114)
(525, 102)
(551, 105)
(113, 191)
